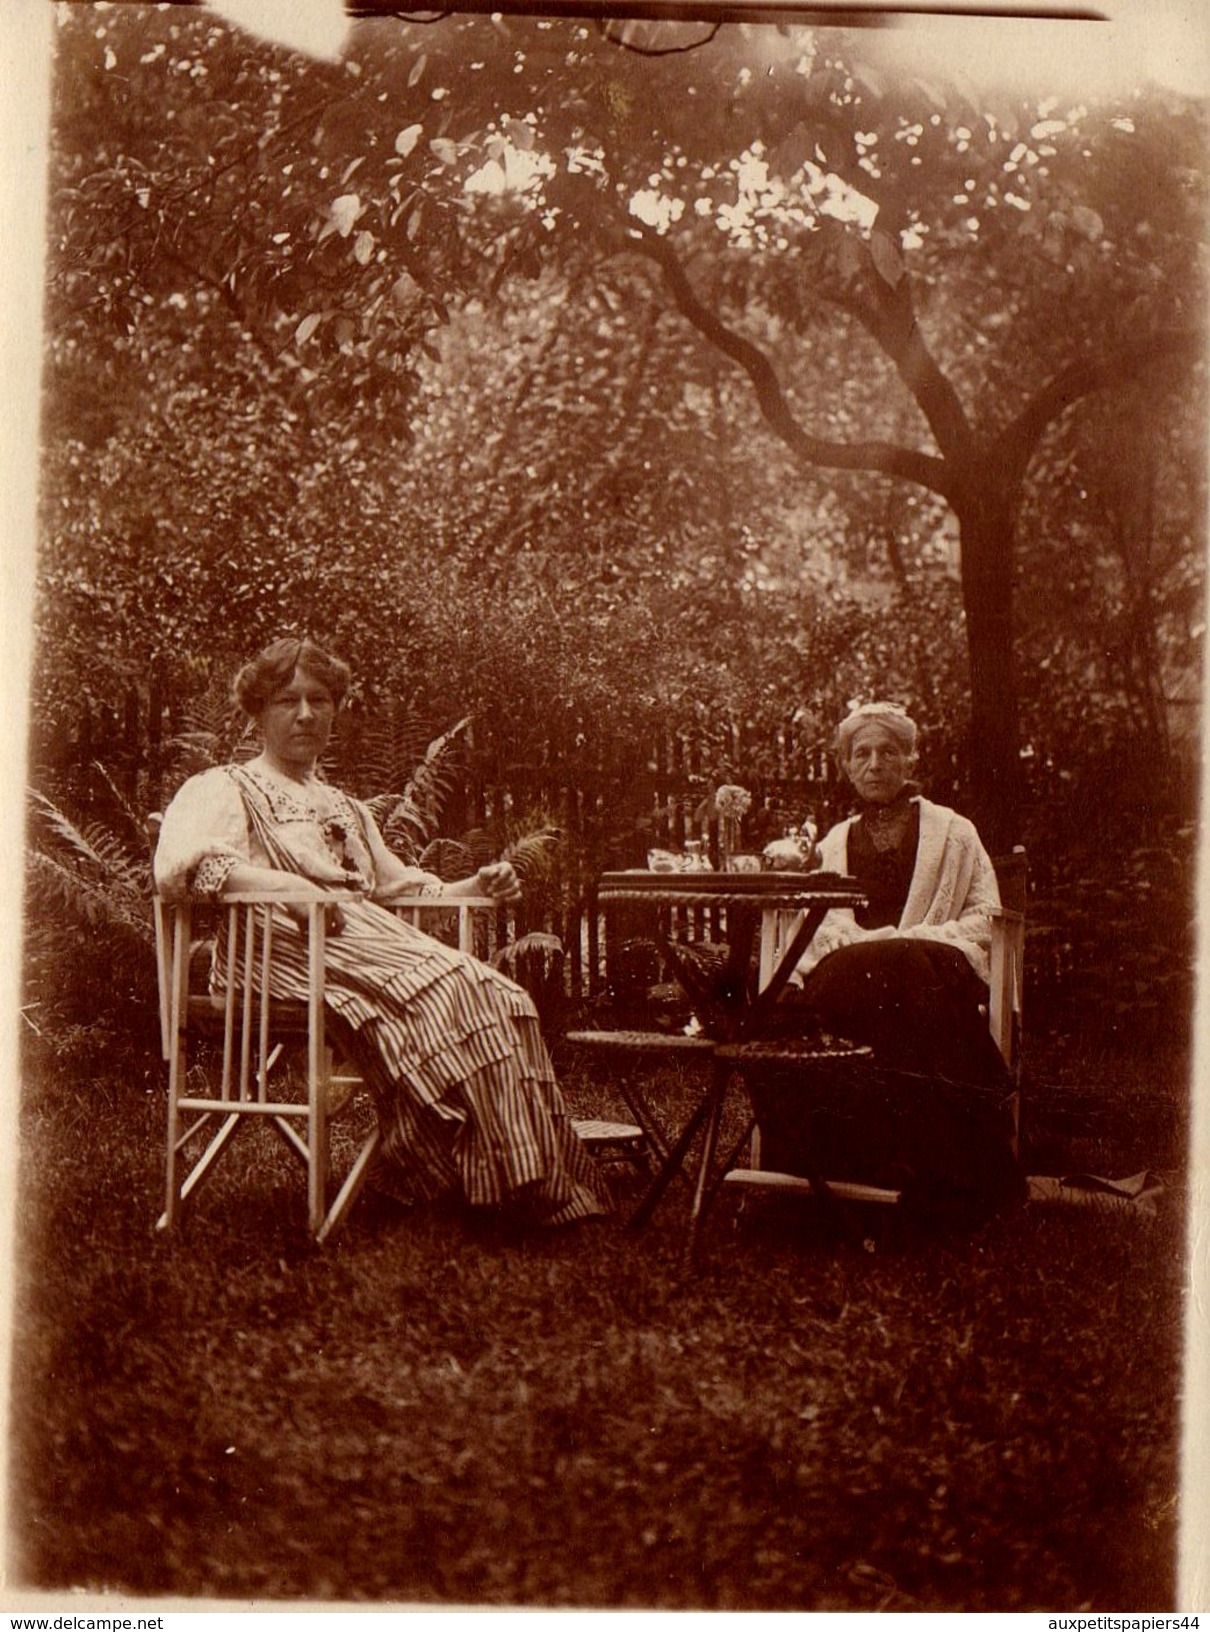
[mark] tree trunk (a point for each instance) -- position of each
(987, 523)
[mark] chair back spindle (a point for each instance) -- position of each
(1006, 985)
(253, 1027)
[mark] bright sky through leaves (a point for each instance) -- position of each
(317, 27)
(1165, 41)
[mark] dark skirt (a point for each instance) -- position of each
(931, 1113)
(918, 1004)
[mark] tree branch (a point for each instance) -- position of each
(925, 469)
(1020, 438)
(890, 320)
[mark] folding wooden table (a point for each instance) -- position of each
(732, 1003)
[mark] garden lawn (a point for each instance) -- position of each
(436, 1411)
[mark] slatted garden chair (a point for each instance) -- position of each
(252, 1036)
(1007, 983)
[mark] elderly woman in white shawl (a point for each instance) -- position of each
(907, 973)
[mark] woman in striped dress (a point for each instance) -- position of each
(451, 1048)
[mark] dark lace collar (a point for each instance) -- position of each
(896, 808)
(887, 825)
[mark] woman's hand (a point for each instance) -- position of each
(334, 918)
(838, 929)
(499, 880)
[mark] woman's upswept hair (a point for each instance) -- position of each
(271, 669)
(891, 716)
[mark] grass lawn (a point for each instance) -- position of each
(432, 1410)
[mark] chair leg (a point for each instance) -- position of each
(640, 1109)
(350, 1189)
(179, 1193)
(671, 1166)
(702, 1190)
(253, 1040)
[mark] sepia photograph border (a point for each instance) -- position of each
(1179, 42)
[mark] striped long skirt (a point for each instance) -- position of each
(452, 1051)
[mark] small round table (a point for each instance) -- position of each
(791, 907)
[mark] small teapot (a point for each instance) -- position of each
(796, 853)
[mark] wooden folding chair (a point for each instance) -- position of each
(252, 1030)
(1006, 985)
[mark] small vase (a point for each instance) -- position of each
(728, 838)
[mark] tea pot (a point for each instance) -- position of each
(796, 853)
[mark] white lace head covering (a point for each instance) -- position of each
(889, 715)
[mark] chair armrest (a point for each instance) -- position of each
(465, 906)
(441, 903)
(273, 898)
(1007, 961)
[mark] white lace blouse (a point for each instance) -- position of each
(331, 838)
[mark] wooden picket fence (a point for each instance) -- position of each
(611, 811)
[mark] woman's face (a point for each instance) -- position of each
(296, 722)
(877, 765)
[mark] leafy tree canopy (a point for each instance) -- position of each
(915, 280)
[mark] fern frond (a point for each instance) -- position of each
(211, 732)
(433, 777)
(535, 854)
(57, 887)
(389, 745)
(415, 814)
(51, 880)
(195, 751)
(87, 869)
(449, 859)
(481, 845)
(134, 818)
(404, 826)
(119, 869)
(94, 845)
(64, 828)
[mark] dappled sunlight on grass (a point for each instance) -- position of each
(440, 1411)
